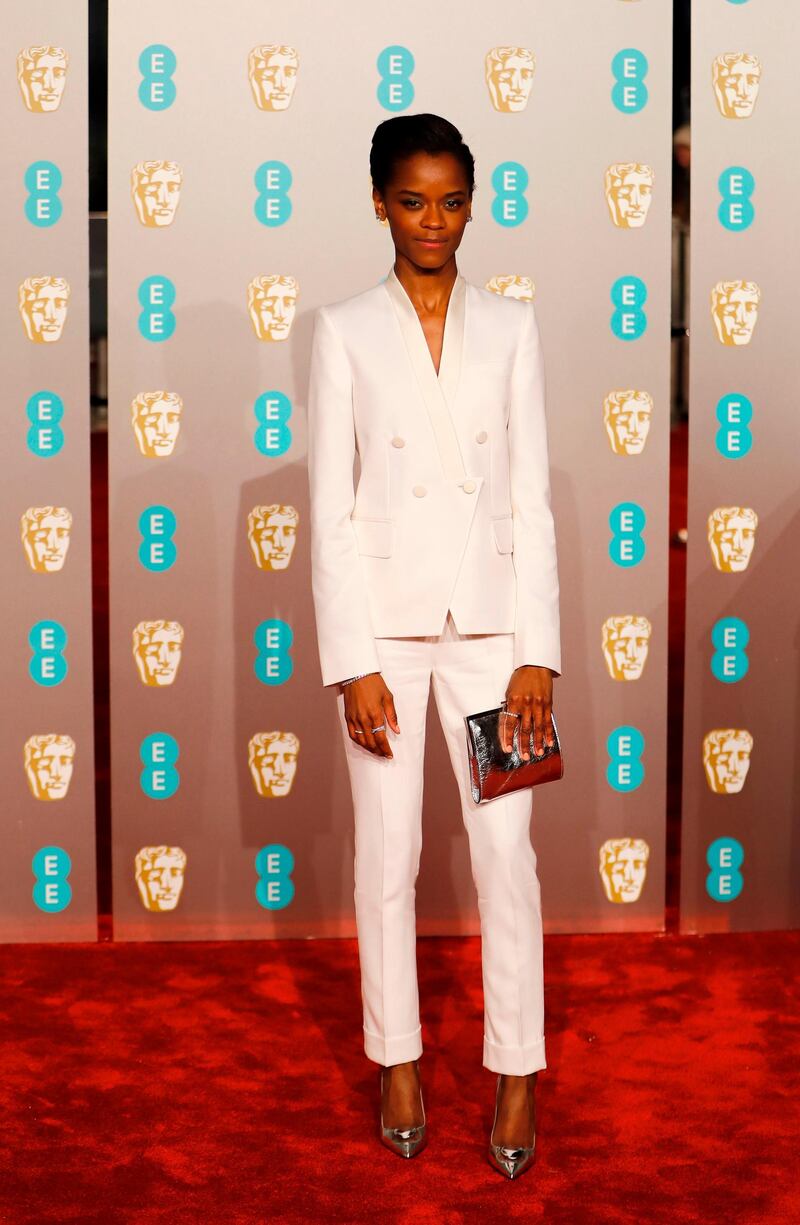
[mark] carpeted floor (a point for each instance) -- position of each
(225, 1083)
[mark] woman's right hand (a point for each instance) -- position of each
(368, 702)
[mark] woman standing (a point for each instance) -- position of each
(438, 569)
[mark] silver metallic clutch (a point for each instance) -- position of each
(493, 772)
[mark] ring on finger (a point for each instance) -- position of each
(380, 728)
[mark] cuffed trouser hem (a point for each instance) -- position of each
(513, 1060)
(387, 1051)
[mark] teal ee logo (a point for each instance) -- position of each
(51, 867)
(734, 414)
(157, 65)
(736, 186)
(729, 663)
(509, 205)
(157, 525)
(273, 664)
(45, 436)
(626, 546)
(625, 771)
(273, 180)
(724, 857)
(395, 88)
(159, 778)
(272, 412)
(629, 68)
(156, 298)
(47, 640)
(628, 295)
(43, 183)
(275, 887)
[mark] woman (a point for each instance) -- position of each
(440, 568)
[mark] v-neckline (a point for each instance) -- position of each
(454, 308)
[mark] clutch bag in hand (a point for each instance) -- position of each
(493, 772)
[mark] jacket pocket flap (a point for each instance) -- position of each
(373, 536)
(503, 533)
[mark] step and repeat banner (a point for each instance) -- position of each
(740, 853)
(46, 746)
(239, 197)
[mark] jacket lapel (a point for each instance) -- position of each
(438, 392)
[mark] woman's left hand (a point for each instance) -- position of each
(529, 694)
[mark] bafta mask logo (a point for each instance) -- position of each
(734, 309)
(272, 72)
(272, 302)
(731, 536)
(623, 867)
(629, 190)
(42, 305)
(42, 75)
(49, 760)
(726, 759)
(272, 758)
(156, 192)
(736, 76)
(45, 537)
(157, 647)
(520, 287)
(156, 421)
(626, 641)
(159, 875)
(509, 77)
(272, 531)
(626, 416)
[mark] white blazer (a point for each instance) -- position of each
(452, 505)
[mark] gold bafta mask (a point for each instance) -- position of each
(156, 421)
(157, 647)
(45, 537)
(509, 77)
(42, 302)
(272, 302)
(271, 532)
(626, 641)
(735, 76)
(49, 761)
(520, 287)
(160, 871)
(156, 192)
(42, 75)
(623, 867)
(272, 71)
(726, 759)
(272, 758)
(629, 190)
(732, 535)
(734, 309)
(626, 416)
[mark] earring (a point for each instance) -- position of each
(470, 217)
(378, 217)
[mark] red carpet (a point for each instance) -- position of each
(204, 1083)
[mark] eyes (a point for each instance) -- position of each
(454, 201)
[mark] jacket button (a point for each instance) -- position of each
(419, 491)
(468, 486)
(481, 436)
(397, 441)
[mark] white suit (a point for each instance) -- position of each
(438, 568)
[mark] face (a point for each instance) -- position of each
(156, 196)
(273, 766)
(50, 769)
(158, 653)
(735, 313)
(42, 82)
(623, 868)
(736, 87)
(510, 77)
(273, 309)
(726, 758)
(625, 648)
(427, 205)
(272, 539)
(272, 79)
(628, 424)
(46, 542)
(732, 542)
(160, 882)
(629, 198)
(44, 311)
(156, 427)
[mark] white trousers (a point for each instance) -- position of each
(469, 673)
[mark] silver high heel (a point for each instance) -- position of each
(509, 1161)
(405, 1141)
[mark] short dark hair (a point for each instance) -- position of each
(404, 135)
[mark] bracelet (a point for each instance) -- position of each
(356, 678)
